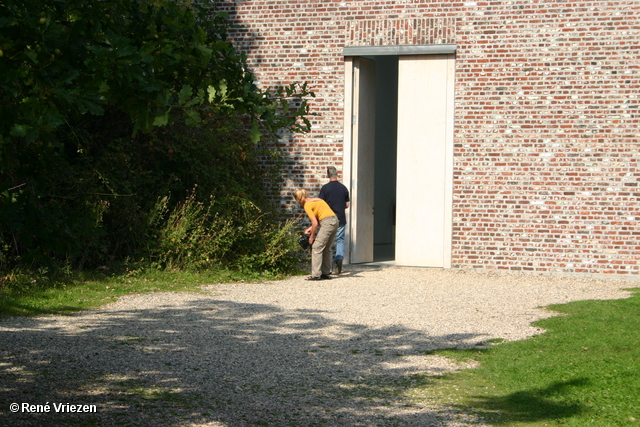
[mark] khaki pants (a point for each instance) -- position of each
(321, 249)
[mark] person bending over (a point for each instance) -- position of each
(324, 225)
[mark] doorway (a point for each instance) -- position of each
(399, 158)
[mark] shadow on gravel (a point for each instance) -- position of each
(214, 363)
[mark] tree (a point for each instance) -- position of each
(105, 106)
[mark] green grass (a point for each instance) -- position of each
(583, 371)
(24, 294)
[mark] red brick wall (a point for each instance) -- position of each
(546, 116)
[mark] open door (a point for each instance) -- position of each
(362, 159)
(421, 202)
(425, 160)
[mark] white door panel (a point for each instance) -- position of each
(423, 207)
(362, 168)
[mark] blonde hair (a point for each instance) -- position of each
(300, 195)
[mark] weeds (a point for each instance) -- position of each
(233, 232)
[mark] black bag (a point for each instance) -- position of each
(304, 241)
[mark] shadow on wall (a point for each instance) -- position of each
(217, 362)
(294, 167)
(244, 39)
(293, 172)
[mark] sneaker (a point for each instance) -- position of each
(339, 265)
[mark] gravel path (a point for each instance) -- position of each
(290, 352)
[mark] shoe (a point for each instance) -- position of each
(325, 277)
(339, 265)
(314, 278)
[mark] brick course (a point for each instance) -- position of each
(546, 116)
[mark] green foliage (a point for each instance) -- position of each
(63, 59)
(107, 106)
(233, 232)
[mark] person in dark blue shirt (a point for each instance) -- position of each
(337, 197)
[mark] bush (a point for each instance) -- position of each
(233, 231)
(107, 106)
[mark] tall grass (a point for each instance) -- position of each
(233, 232)
(192, 243)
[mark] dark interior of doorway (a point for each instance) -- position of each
(385, 157)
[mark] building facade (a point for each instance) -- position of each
(500, 135)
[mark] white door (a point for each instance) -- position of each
(362, 115)
(425, 160)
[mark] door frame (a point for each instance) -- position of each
(349, 53)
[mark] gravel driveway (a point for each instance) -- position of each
(284, 353)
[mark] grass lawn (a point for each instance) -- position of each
(28, 294)
(583, 371)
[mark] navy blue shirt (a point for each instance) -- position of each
(336, 195)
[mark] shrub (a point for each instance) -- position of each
(106, 106)
(232, 231)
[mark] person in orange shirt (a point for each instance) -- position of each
(324, 225)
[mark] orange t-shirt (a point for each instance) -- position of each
(319, 209)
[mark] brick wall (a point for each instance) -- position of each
(546, 116)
